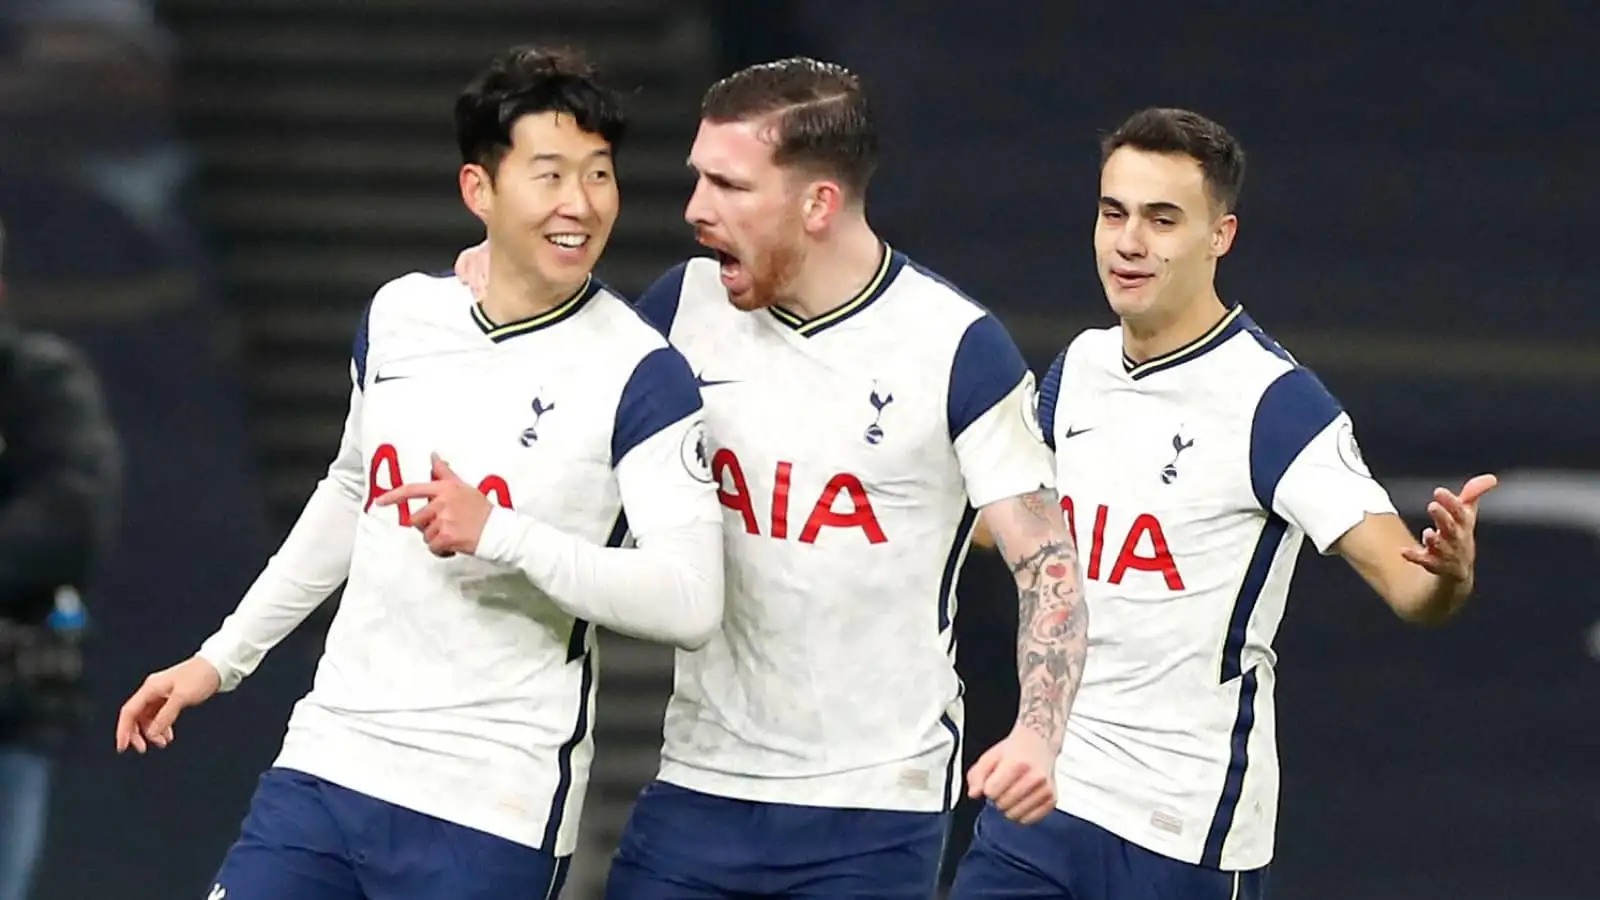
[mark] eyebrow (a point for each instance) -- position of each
(717, 178)
(560, 157)
(1158, 207)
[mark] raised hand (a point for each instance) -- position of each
(1450, 549)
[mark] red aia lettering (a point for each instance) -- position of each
(386, 461)
(389, 458)
(1159, 559)
(495, 488)
(734, 492)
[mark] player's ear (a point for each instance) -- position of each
(1222, 235)
(821, 202)
(477, 189)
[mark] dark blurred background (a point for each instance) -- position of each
(202, 194)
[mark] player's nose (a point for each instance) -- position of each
(1130, 243)
(698, 210)
(575, 202)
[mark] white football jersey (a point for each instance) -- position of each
(1189, 482)
(455, 687)
(850, 453)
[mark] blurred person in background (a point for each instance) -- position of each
(91, 155)
(60, 478)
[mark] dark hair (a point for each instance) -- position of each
(821, 116)
(1180, 131)
(525, 81)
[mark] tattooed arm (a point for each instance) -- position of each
(1018, 774)
(1052, 619)
(1010, 473)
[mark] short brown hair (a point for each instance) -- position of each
(823, 120)
(1179, 131)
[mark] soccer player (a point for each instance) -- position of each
(1194, 457)
(863, 414)
(494, 457)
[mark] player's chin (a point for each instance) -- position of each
(749, 299)
(745, 294)
(1130, 301)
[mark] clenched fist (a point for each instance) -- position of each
(1018, 775)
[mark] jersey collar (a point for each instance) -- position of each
(1231, 323)
(562, 311)
(889, 266)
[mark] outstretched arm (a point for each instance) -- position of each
(1307, 467)
(1425, 583)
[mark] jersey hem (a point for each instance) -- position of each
(1146, 837)
(858, 789)
(376, 769)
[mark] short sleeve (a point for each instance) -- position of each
(658, 448)
(1305, 462)
(993, 416)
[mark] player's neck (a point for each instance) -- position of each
(836, 270)
(514, 296)
(1147, 339)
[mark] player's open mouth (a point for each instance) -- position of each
(730, 266)
(568, 241)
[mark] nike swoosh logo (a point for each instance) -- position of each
(381, 378)
(702, 381)
(1072, 434)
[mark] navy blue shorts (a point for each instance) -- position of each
(684, 845)
(307, 839)
(1066, 858)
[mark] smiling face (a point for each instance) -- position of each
(748, 210)
(1158, 235)
(550, 202)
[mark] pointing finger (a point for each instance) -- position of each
(409, 492)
